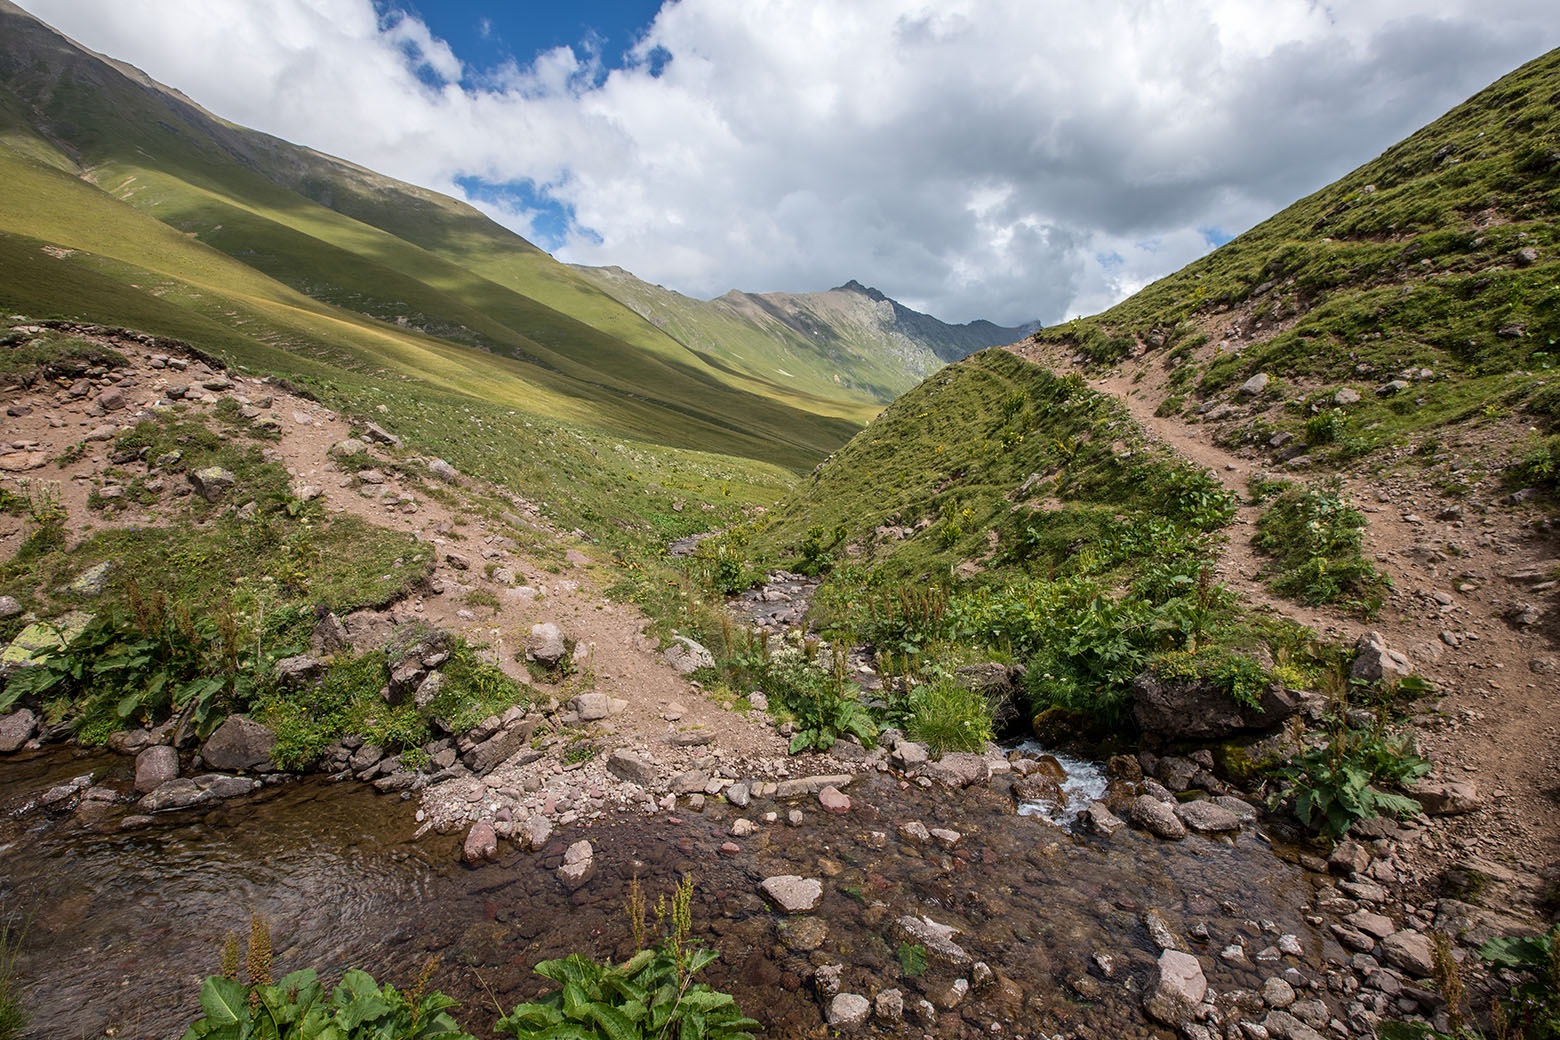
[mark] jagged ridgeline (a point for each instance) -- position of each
(1442, 253)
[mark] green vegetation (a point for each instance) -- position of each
(650, 995)
(1345, 780)
(1441, 254)
(820, 702)
(947, 717)
(13, 1012)
(1314, 536)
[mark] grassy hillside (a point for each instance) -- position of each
(65, 111)
(850, 340)
(1442, 254)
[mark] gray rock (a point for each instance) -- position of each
(849, 1011)
(1409, 951)
(219, 785)
(1374, 662)
(1156, 817)
(428, 690)
(1276, 993)
(295, 671)
(93, 580)
(579, 865)
(1207, 817)
(834, 800)
(1346, 396)
(691, 781)
(591, 706)
(242, 744)
(632, 767)
(793, 894)
(375, 433)
(1175, 988)
(1159, 931)
(1254, 386)
(957, 769)
(1396, 386)
(16, 729)
(1098, 819)
(739, 794)
(1348, 858)
(936, 938)
(687, 656)
(810, 785)
(498, 748)
(546, 645)
(10, 607)
(444, 471)
(179, 793)
(1447, 797)
(908, 754)
(1281, 1025)
(212, 482)
(365, 756)
(889, 1006)
(481, 844)
(534, 833)
(1179, 709)
(154, 767)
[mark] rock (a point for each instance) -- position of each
(1396, 386)
(1346, 396)
(1175, 988)
(591, 707)
(1178, 709)
(534, 833)
(889, 1006)
(915, 832)
(794, 894)
(687, 656)
(849, 1011)
(1156, 817)
(212, 482)
(810, 785)
(739, 795)
(936, 938)
(546, 645)
(365, 756)
(93, 580)
(1370, 923)
(487, 756)
(1374, 662)
(428, 690)
(348, 448)
(1098, 819)
(834, 800)
(908, 754)
(112, 399)
(957, 769)
(803, 934)
(241, 744)
(1207, 817)
(16, 729)
(1254, 386)
(1220, 412)
(1409, 951)
(1527, 256)
(742, 827)
(758, 701)
(9, 607)
(1159, 931)
(179, 793)
(1348, 858)
(690, 781)
(1446, 797)
(378, 435)
(1276, 993)
(481, 844)
(1281, 1025)
(579, 865)
(444, 471)
(295, 671)
(632, 767)
(696, 737)
(945, 837)
(154, 767)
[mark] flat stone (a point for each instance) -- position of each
(936, 938)
(803, 934)
(1205, 816)
(1409, 951)
(794, 894)
(632, 767)
(834, 800)
(93, 580)
(810, 785)
(1370, 923)
(1447, 797)
(16, 729)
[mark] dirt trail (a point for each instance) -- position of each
(1457, 570)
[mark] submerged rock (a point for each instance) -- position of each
(794, 894)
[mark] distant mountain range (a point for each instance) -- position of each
(851, 339)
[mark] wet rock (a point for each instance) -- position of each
(687, 656)
(1156, 817)
(1276, 993)
(945, 837)
(579, 865)
(16, 729)
(915, 832)
(241, 744)
(631, 767)
(1447, 797)
(546, 645)
(834, 800)
(936, 938)
(218, 785)
(948, 994)
(794, 894)
(849, 1011)
(212, 482)
(1374, 662)
(534, 833)
(1207, 817)
(810, 785)
(154, 767)
(1409, 951)
(739, 794)
(1159, 931)
(1175, 988)
(1098, 819)
(742, 827)
(803, 934)
(1178, 709)
(481, 844)
(174, 794)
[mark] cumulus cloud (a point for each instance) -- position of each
(973, 158)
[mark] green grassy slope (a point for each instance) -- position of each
(1442, 253)
(849, 340)
(154, 151)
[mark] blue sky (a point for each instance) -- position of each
(970, 158)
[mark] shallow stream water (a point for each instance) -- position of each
(122, 925)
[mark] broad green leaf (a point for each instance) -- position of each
(224, 1000)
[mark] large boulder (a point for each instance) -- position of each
(481, 844)
(1375, 662)
(240, 743)
(687, 656)
(16, 729)
(1175, 989)
(1156, 817)
(155, 766)
(546, 645)
(1193, 709)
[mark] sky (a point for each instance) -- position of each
(1012, 160)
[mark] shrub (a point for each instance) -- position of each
(1343, 782)
(948, 717)
(823, 706)
(1315, 536)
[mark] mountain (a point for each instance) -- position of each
(128, 204)
(850, 340)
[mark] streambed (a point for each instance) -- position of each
(124, 924)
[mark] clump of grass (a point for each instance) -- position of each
(946, 716)
(13, 1013)
(1314, 536)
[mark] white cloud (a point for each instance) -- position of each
(976, 158)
